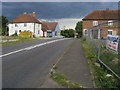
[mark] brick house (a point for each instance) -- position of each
(108, 19)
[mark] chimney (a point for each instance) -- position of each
(25, 12)
(33, 14)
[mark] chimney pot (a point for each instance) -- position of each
(25, 12)
(33, 14)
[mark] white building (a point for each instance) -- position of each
(25, 22)
(50, 29)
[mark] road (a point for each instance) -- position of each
(29, 68)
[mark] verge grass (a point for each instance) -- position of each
(63, 81)
(102, 78)
(20, 40)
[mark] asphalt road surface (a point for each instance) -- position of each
(29, 68)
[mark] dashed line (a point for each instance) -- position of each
(31, 47)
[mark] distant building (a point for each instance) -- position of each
(50, 29)
(109, 19)
(25, 23)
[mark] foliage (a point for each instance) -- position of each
(20, 40)
(100, 74)
(62, 80)
(105, 80)
(15, 34)
(107, 56)
(78, 29)
(3, 23)
(88, 50)
(67, 33)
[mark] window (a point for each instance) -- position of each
(95, 23)
(16, 25)
(109, 32)
(25, 24)
(110, 23)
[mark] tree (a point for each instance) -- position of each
(3, 25)
(67, 33)
(78, 29)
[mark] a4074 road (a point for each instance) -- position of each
(26, 65)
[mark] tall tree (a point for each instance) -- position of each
(78, 29)
(3, 25)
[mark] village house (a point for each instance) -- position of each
(100, 23)
(50, 29)
(25, 23)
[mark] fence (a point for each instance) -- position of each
(96, 37)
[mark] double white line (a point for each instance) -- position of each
(31, 47)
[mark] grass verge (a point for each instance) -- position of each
(102, 78)
(20, 40)
(63, 81)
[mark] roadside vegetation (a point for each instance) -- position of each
(110, 59)
(3, 26)
(19, 40)
(102, 78)
(78, 29)
(68, 33)
(63, 81)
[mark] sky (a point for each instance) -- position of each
(57, 11)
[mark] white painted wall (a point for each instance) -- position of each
(35, 28)
(57, 31)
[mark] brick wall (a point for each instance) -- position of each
(87, 24)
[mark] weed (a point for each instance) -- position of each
(62, 80)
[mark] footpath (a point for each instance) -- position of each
(74, 66)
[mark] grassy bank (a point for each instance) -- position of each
(63, 81)
(20, 40)
(102, 78)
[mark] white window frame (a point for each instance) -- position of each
(95, 23)
(110, 31)
(110, 23)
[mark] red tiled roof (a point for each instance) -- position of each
(49, 26)
(25, 18)
(102, 15)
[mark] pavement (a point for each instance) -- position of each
(74, 65)
(30, 68)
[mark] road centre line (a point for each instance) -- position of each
(31, 47)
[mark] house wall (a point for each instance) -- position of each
(35, 28)
(57, 31)
(87, 24)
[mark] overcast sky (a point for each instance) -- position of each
(53, 10)
(73, 11)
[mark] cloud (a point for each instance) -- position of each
(67, 23)
(54, 10)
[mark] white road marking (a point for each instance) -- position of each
(31, 47)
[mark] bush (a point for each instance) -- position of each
(15, 34)
(67, 33)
